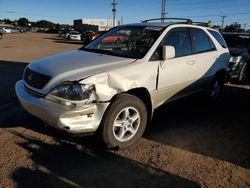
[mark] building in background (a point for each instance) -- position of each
(93, 24)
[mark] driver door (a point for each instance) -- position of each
(177, 74)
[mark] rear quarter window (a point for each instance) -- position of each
(218, 37)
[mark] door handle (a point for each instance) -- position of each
(192, 62)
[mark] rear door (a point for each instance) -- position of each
(205, 56)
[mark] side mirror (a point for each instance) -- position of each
(168, 52)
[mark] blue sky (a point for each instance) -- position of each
(65, 11)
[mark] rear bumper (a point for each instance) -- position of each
(85, 119)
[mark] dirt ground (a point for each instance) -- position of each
(189, 143)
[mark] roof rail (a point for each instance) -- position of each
(188, 21)
(206, 24)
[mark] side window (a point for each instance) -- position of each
(218, 37)
(202, 43)
(180, 40)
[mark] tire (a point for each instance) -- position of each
(1, 35)
(215, 87)
(123, 122)
(243, 73)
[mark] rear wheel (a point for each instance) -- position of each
(124, 122)
(215, 88)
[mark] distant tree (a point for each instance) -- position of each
(234, 27)
(8, 21)
(66, 26)
(58, 26)
(23, 22)
(218, 27)
(45, 24)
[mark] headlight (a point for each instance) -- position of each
(72, 92)
(235, 59)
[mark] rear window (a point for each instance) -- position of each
(218, 37)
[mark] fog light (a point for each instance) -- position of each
(68, 103)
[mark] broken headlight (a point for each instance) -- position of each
(72, 92)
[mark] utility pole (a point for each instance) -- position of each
(122, 20)
(222, 21)
(245, 27)
(163, 10)
(114, 11)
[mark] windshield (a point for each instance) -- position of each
(126, 41)
(237, 41)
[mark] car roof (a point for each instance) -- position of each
(166, 24)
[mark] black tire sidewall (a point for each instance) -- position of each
(121, 102)
(243, 68)
(221, 82)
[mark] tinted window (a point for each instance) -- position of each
(218, 37)
(202, 42)
(180, 40)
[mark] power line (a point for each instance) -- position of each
(229, 14)
(36, 15)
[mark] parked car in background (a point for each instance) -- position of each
(239, 47)
(74, 35)
(14, 30)
(88, 36)
(67, 32)
(114, 88)
(6, 30)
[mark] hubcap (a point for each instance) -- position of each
(126, 124)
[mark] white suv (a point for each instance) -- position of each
(113, 85)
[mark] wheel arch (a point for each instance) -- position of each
(144, 95)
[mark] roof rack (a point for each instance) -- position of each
(206, 24)
(188, 21)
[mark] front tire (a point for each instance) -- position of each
(124, 122)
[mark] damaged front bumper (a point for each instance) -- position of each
(76, 120)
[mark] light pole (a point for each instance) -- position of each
(114, 11)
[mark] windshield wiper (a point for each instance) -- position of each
(106, 52)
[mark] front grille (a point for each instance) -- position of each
(35, 79)
(34, 93)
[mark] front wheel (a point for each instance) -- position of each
(124, 122)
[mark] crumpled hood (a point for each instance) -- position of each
(75, 65)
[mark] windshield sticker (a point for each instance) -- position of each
(154, 28)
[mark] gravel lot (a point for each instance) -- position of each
(189, 143)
